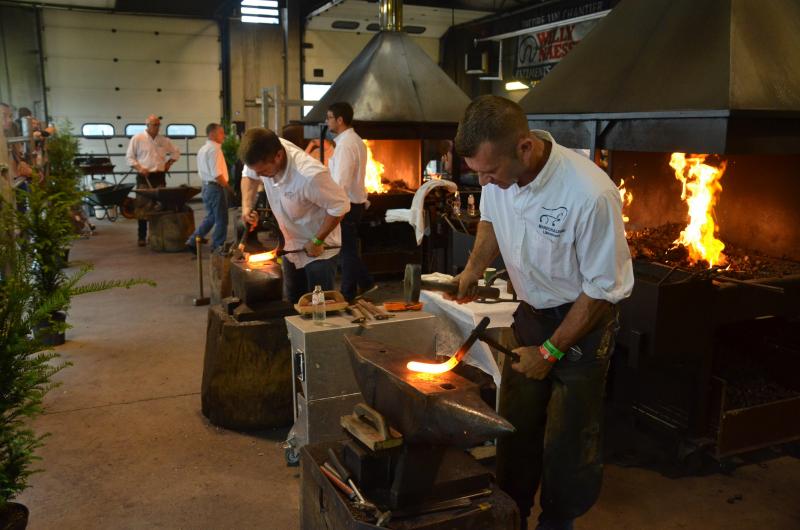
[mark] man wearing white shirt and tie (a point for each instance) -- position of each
(305, 201)
(348, 169)
(150, 155)
(214, 173)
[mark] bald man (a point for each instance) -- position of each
(150, 155)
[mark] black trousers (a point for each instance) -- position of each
(354, 272)
(558, 420)
(156, 179)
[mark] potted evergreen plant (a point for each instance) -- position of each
(26, 367)
(47, 227)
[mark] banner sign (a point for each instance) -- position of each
(535, 54)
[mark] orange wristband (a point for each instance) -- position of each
(547, 355)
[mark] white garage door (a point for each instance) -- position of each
(118, 69)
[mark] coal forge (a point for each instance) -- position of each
(716, 247)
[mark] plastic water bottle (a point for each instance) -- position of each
(318, 305)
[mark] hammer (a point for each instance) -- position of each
(413, 283)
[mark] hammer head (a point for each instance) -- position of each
(412, 282)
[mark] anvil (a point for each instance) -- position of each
(439, 409)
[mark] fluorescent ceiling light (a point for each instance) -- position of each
(260, 20)
(259, 11)
(516, 85)
(260, 3)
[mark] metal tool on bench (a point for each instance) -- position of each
(413, 283)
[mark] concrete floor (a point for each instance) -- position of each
(129, 447)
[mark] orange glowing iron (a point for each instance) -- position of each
(438, 368)
(452, 362)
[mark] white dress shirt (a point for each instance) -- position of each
(211, 162)
(151, 153)
(563, 233)
(300, 197)
(349, 165)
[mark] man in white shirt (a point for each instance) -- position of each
(214, 173)
(305, 201)
(556, 219)
(348, 169)
(150, 155)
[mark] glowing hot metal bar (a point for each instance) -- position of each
(260, 258)
(451, 363)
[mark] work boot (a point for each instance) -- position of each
(142, 243)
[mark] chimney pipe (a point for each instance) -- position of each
(391, 15)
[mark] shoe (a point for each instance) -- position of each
(142, 243)
(191, 249)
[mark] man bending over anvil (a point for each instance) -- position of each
(556, 219)
(306, 202)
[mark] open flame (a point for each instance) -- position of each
(257, 260)
(626, 197)
(373, 180)
(701, 189)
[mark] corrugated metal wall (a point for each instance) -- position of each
(119, 68)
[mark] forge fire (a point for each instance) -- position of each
(697, 244)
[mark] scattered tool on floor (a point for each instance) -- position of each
(413, 283)
(201, 300)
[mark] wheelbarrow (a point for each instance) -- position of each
(111, 201)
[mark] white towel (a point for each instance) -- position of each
(415, 216)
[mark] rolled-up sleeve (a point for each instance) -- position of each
(249, 173)
(325, 193)
(131, 153)
(220, 164)
(174, 152)
(486, 207)
(344, 170)
(603, 256)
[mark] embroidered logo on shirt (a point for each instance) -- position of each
(551, 219)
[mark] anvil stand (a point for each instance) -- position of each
(424, 479)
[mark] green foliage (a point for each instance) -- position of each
(230, 146)
(46, 232)
(34, 285)
(47, 226)
(62, 148)
(26, 370)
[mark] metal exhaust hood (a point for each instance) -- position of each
(394, 83)
(707, 76)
